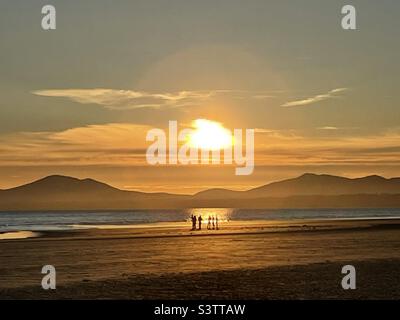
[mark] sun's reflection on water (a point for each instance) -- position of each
(223, 214)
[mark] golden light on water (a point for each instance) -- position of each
(210, 135)
(223, 214)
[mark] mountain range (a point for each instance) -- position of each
(306, 191)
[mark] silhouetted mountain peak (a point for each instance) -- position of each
(60, 183)
(56, 178)
(315, 177)
(307, 175)
(374, 177)
(324, 184)
(57, 192)
(216, 193)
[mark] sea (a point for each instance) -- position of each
(53, 221)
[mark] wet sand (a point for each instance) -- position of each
(249, 260)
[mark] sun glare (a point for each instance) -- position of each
(209, 135)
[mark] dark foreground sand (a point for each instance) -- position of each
(276, 260)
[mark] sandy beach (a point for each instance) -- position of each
(243, 260)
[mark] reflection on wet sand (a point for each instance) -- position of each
(18, 235)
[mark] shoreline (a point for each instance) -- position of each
(162, 262)
(182, 229)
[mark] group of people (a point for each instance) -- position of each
(211, 225)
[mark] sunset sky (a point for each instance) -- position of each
(79, 100)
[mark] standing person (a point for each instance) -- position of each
(213, 222)
(216, 222)
(209, 223)
(193, 222)
(200, 219)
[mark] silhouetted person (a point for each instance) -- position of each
(216, 222)
(200, 219)
(209, 223)
(194, 222)
(213, 222)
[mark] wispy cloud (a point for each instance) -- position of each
(103, 144)
(263, 96)
(115, 99)
(120, 144)
(318, 98)
(328, 128)
(126, 99)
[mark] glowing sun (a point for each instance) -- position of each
(210, 135)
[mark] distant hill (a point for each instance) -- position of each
(67, 193)
(313, 184)
(306, 191)
(61, 185)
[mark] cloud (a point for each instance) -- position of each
(103, 136)
(329, 150)
(328, 128)
(127, 99)
(318, 98)
(112, 143)
(114, 99)
(120, 144)
(263, 96)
